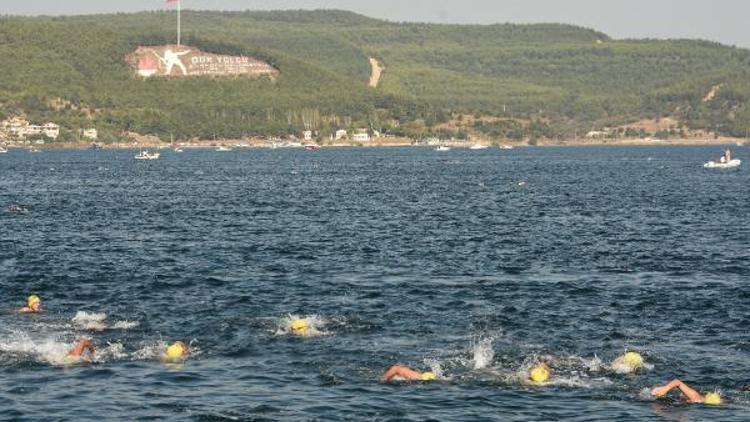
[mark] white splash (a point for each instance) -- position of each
(315, 323)
(46, 350)
(483, 353)
(96, 322)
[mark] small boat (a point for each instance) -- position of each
(145, 155)
(223, 148)
(477, 146)
(32, 149)
(3, 150)
(94, 146)
(726, 165)
(443, 148)
(506, 146)
(178, 149)
(312, 147)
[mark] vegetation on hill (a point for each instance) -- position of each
(544, 80)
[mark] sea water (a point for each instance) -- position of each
(472, 264)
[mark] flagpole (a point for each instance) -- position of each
(179, 2)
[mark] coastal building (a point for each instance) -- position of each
(361, 136)
(90, 133)
(20, 128)
(341, 134)
(307, 135)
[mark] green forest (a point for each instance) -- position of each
(540, 80)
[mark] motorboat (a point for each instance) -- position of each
(3, 150)
(478, 146)
(178, 149)
(223, 148)
(312, 147)
(506, 146)
(32, 149)
(145, 155)
(443, 148)
(725, 165)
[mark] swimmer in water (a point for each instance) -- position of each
(83, 352)
(300, 327)
(33, 305)
(627, 363)
(177, 352)
(402, 373)
(691, 395)
(539, 373)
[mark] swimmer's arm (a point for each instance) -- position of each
(692, 395)
(400, 371)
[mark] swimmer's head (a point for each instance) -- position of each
(428, 376)
(33, 302)
(300, 326)
(712, 399)
(539, 373)
(178, 350)
(633, 360)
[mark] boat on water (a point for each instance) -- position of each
(725, 162)
(178, 149)
(312, 147)
(478, 146)
(443, 148)
(34, 150)
(723, 165)
(223, 148)
(145, 155)
(506, 146)
(3, 150)
(94, 146)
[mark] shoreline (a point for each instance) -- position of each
(392, 143)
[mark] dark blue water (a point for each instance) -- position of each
(432, 260)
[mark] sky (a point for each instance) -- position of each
(725, 21)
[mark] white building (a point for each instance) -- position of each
(341, 134)
(21, 128)
(90, 133)
(307, 135)
(361, 136)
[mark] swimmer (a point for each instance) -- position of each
(627, 363)
(177, 352)
(691, 395)
(300, 327)
(402, 373)
(33, 305)
(78, 353)
(539, 373)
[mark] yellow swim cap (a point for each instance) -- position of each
(32, 300)
(633, 359)
(539, 373)
(712, 399)
(299, 326)
(176, 351)
(428, 376)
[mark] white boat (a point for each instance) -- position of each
(506, 146)
(443, 148)
(478, 147)
(222, 148)
(145, 155)
(178, 149)
(719, 165)
(34, 150)
(3, 150)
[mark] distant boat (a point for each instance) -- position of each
(32, 149)
(719, 165)
(145, 155)
(3, 150)
(443, 148)
(312, 147)
(477, 146)
(95, 146)
(506, 146)
(222, 148)
(178, 149)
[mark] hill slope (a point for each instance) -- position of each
(554, 78)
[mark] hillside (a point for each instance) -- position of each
(544, 80)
